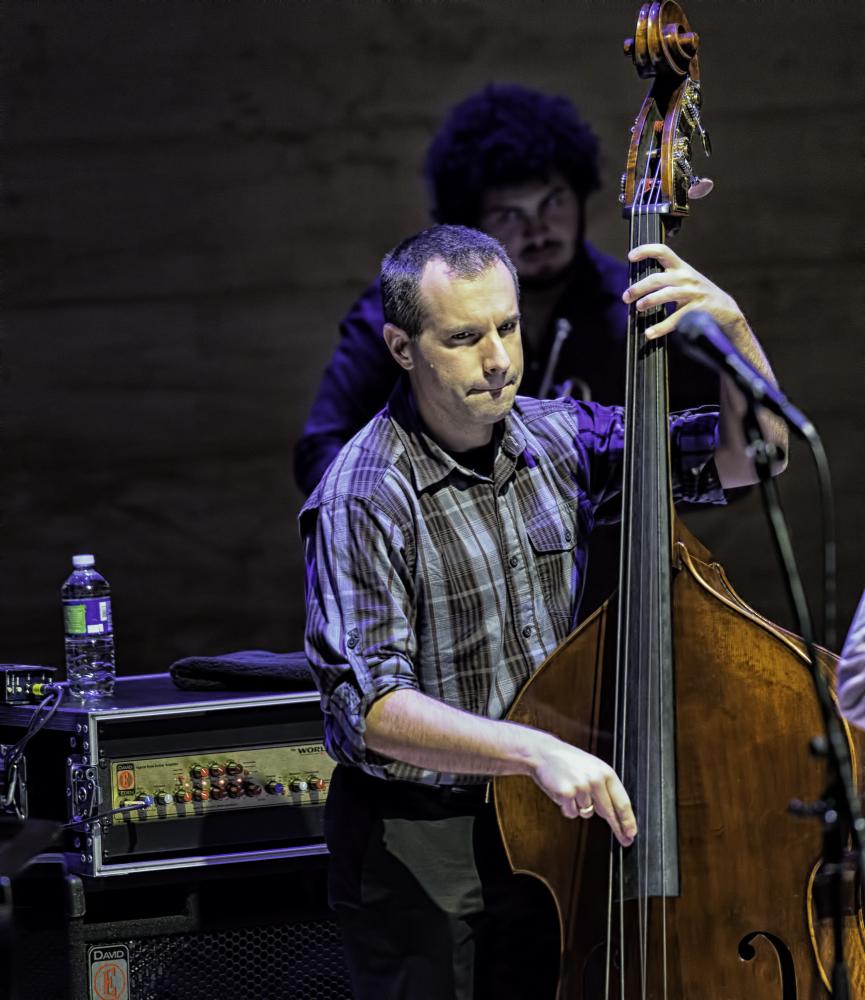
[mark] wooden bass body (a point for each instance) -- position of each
(746, 924)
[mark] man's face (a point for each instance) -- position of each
(538, 223)
(467, 363)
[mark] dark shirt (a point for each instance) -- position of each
(425, 574)
(361, 374)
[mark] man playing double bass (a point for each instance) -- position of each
(445, 548)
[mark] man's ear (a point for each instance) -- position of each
(399, 344)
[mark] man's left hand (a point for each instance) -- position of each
(678, 283)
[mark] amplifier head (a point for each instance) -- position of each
(155, 777)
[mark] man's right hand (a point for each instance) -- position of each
(581, 785)
(410, 726)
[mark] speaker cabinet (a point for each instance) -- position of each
(239, 932)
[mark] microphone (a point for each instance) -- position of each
(701, 339)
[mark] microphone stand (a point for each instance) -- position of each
(839, 808)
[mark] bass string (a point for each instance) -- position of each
(621, 666)
(621, 672)
(620, 676)
(636, 591)
(649, 384)
(622, 659)
(662, 465)
(644, 208)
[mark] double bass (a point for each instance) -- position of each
(704, 707)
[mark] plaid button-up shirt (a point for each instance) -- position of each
(424, 574)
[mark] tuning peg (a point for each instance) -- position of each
(704, 138)
(691, 110)
(700, 187)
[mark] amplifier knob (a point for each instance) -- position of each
(183, 795)
(235, 790)
(317, 784)
(197, 771)
(275, 788)
(252, 788)
(216, 770)
(217, 792)
(232, 767)
(164, 798)
(201, 794)
(298, 785)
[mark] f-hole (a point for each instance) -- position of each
(747, 952)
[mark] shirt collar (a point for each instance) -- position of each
(430, 463)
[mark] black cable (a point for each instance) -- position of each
(88, 820)
(13, 755)
(53, 700)
(830, 562)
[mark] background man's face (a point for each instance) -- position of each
(538, 223)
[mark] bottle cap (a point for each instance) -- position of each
(82, 561)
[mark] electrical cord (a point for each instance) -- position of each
(86, 821)
(54, 693)
(830, 562)
(54, 696)
(10, 761)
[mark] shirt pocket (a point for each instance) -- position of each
(558, 557)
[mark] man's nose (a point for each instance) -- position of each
(496, 358)
(534, 224)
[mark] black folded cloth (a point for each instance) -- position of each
(248, 669)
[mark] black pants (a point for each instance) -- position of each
(427, 904)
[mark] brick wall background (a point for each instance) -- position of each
(193, 193)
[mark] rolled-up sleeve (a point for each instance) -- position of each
(360, 638)
(694, 438)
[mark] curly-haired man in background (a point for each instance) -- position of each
(518, 164)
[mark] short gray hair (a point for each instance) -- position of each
(467, 253)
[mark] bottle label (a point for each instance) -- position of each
(88, 616)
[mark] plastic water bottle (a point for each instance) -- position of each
(89, 634)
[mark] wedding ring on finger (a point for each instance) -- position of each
(587, 811)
